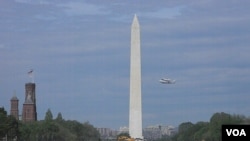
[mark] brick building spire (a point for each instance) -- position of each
(14, 111)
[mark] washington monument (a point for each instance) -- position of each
(135, 110)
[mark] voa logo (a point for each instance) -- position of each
(236, 132)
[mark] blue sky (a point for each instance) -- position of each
(79, 51)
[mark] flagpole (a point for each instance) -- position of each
(33, 78)
(31, 75)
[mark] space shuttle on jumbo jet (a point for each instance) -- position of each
(167, 81)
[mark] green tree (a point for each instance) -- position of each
(83, 131)
(185, 126)
(208, 131)
(58, 130)
(48, 116)
(59, 117)
(186, 132)
(89, 132)
(3, 123)
(199, 131)
(218, 119)
(8, 125)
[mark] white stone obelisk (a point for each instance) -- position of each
(135, 110)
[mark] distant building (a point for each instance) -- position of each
(149, 133)
(29, 106)
(104, 132)
(123, 130)
(14, 111)
(107, 133)
(157, 131)
(168, 130)
(152, 132)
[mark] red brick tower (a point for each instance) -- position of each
(14, 107)
(29, 106)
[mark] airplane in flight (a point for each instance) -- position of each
(167, 81)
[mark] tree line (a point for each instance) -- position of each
(48, 129)
(206, 131)
(8, 125)
(58, 129)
